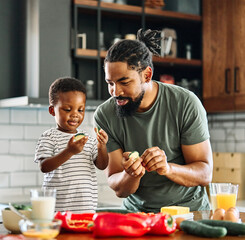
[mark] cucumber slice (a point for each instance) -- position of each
(133, 155)
(98, 129)
(79, 136)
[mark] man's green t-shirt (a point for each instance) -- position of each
(177, 117)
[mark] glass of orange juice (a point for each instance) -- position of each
(223, 195)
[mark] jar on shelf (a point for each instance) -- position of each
(90, 89)
(130, 36)
(188, 51)
(117, 37)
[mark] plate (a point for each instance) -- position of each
(187, 216)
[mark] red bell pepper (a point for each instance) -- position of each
(160, 223)
(76, 222)
(116, 224)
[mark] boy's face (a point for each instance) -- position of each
(69, 111)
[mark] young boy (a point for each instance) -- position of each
(69, 164)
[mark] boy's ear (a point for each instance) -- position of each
(51, 110)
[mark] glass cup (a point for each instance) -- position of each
(43, 204)
(223, 195)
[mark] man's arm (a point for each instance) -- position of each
(124, 174)
(198, 168)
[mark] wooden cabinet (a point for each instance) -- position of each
(223, 55)
(229, 168)
(93, 17)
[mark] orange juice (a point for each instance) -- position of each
(226, 200)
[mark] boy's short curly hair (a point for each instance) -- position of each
(65, 84)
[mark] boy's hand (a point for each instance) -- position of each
(102, 137)
(76, 146)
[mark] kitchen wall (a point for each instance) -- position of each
(20, 129)
(227, 132)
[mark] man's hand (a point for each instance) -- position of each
(76, 147)
(154, 159)
(133, 167)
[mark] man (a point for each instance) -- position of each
(166, 124)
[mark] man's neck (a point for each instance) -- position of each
(150, 96)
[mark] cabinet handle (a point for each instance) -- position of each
(236, 80)
(227, 72)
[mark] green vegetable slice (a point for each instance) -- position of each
(133, 155)
(79, 136)
(98, 129)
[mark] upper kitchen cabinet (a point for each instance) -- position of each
(98, 24)
(223, 55)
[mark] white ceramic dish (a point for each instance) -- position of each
(11, 219)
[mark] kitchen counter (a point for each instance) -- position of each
(180, 235)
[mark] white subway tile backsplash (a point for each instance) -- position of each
(34, 132)
(4, 180)
(30, 165)
(107, 195)
(240, 124)
(230, 135)
(240, 147)
(14, 195)
(11, 163)
(11, 132)
(22, 179)
(20, 129)
(25, 147)
(240, 115)
(45, 118)
(218, 134)
(10, 192)
(40, 178)
(225, 147)
(88, 129)
(24, 116)
(88, 118)
(4, 115)
(4, 149)
(239, 134)
(101, 177)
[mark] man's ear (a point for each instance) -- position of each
(148, 74)
(51, 110)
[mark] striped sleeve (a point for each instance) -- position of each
(45, 147)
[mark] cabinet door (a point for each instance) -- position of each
(239, 52)
(217, 55)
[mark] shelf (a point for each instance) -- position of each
(171, 14)
(177, 61)
(115, 7)
(88, 53)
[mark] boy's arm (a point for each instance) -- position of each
(52, 163)
(102, 159)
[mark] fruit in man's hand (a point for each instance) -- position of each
(133, 156)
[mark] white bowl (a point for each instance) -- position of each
(11, 219)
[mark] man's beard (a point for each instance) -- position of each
(131, 107)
